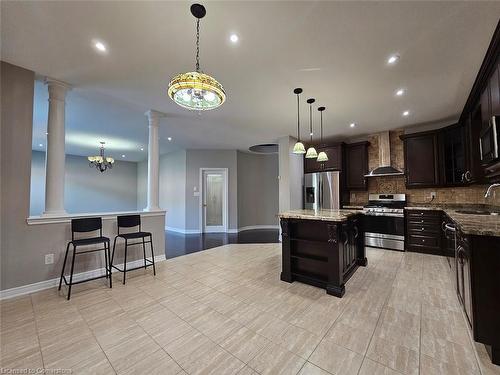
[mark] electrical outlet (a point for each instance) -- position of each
(433, 194)
(49, 258)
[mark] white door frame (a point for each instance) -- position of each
(225, 206)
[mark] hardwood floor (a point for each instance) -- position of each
(225, 311)
(177, 244)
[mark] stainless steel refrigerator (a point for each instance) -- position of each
(321, 190)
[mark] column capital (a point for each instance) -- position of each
(57, 89)
(154, 117)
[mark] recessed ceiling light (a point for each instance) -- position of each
(234, 38)
(142, 148)
(46, 133)
(400, 92)
(406, 113)
(123, 156)
(100, 46)
(352, 124)
(393, 59)
(169, 139)
(41, 145)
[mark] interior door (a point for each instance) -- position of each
(214, 201)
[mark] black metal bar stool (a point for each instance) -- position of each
(130, 221)
(86, 225)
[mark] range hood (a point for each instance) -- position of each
(384, 157)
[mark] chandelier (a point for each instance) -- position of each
(101, 162)
(196, 90)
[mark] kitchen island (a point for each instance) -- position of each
(322, 248)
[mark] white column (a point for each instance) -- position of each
(55, 156)
(153, 161)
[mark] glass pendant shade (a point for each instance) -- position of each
(311, 153)
(196, 91)
(299, 148)
(322, 156)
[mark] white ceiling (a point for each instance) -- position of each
(335, 51)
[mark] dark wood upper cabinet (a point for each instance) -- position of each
(452, 151)
(356, 155)
(494, 85)
(334, 163)
(472, 123)
(485, 107)
(421, 159)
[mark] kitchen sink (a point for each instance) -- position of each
(476, 212)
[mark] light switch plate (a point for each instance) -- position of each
(49, 258)
(196, 194)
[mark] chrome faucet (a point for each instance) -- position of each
(488, 192)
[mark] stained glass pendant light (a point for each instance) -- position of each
(311, 151)
(322, 156)
(196, 90)
(299, 146)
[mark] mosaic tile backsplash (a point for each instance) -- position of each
(396, 184)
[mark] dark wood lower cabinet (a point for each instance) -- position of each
(423, 231)
(478, 287)
(321, 253)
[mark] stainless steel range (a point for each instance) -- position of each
(384, 221)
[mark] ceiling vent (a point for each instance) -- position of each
(266, 148)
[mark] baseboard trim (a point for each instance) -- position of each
(47, 284)
(257, 227)
(241, 229)
(182, 231)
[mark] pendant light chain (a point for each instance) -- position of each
(310, 122)
(198, 45)
(298, 118)
(321, 116)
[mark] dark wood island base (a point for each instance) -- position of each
(322, 252)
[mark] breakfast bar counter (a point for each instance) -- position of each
(322, 248)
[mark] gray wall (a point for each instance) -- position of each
(142, 185)
(196, 159)
(86, 189)
(291, 175)
(258, 194)
(23, 246)
(173, 188)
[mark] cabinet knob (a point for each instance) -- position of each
(422, 229)
(421, 221)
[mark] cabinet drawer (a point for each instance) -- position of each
(423, 214)
(423, 241)
(424, 228)
(425, 221)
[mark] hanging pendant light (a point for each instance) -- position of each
(322, 156)
(298, 148)
(311, 151)
(196, 90)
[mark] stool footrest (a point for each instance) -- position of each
(83, 281)
(150, 263)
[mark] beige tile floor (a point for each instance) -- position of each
(225, 311)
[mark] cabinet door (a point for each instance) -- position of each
(356, 166)
(452, 149)
(421, 160)
(485, 107)
(334, 154)
(311, 165)
(474, 170)
(495, 92)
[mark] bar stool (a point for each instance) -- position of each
(130, 221)
(86, 225)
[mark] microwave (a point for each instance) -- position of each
(488, 142)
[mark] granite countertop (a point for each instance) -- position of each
(479, 225)
(324, 215)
